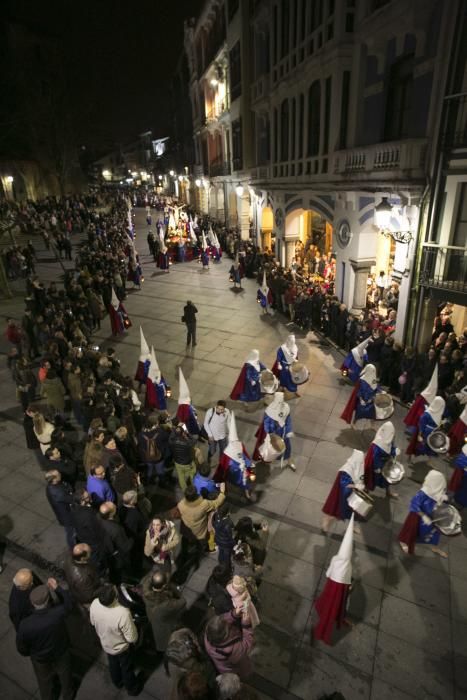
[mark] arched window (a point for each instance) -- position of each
(285, 130)
(314, 118)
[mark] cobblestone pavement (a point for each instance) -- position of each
(410, 632)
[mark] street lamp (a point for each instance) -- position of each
(198, 182)
(180, 178)
(239, 190)
(9, 179)
(171, 173)
(383, 214)
(160, 177)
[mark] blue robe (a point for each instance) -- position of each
(285, 378)
(272, 426)
(251, 392)
(352, 367)
(426, 425)
(423, 504)
(380, 457)
(181, 252)
(460, 495)
(367, 394)
(264, 299)
(205, 258)
(236, 475)
(345, 480)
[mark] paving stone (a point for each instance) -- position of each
(273, 655)
(291, 574)
(11, 690)
(301, 543)
(383, 691)
(18, 669)
(411, 668)
(411, 582)
(317, 674)
(353, 646)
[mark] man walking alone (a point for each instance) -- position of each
(189, 319)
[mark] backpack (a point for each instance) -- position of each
(151, 451)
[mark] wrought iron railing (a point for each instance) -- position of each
(219, 167)
(444, 267)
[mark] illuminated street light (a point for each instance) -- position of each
(214, 82)
(198, 182)
(160, 177)
(171, 173)
(383, 214)
(9, 179)
(180, 178)
(239, 190)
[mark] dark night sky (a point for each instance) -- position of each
(122, 55)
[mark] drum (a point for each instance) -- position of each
(272, 448)
(438, 442)
(447, 519)
(393, 471)
(268, 382)
(361, 502)
(384, 406)
(300, 374)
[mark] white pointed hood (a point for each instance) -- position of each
(430, 391)
(359, 350)
(204, 241)
(234, 449)
(289, 348)
(145, 353)
(154, 373)
(114, 300)
(385, 436)
(211, 235)
(435, 486)
(264, 286)
(278, 410)
(436, 409)
(368, 374)
(192, 233)
(354, 466)
(183, 391)
(253, 359)
(216, 241)
(162, 240)
(340, 568)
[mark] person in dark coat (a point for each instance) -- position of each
(19, 603)
(341, 325)
(121, 544)
(164, 606)
(81, 575)
(60, 497)
(135, 524)
(88, 529)
(218, 598)
(189, 319)
(223, 533)
(43, 637)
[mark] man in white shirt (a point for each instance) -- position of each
(216, 425)
(117, 632)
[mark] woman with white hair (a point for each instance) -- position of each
(418, 525)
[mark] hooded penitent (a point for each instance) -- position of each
(290, 350)
(435, 486)
(358, 351)
(278, 410)
(162, 240)
(436, 409)
(331, 604)
(368, 374)
(354, 466)
(264, 286)
(154, 373)
(204, 242)
(114, 300)
(429, 393)
(144, 359)
(145, 353)
(183, 392)
(234, 449)
(385, 436)
(253, 359)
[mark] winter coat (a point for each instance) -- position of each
(54, 393)
(232, 655)
(153, 546)
(194, 514)
(163, 609)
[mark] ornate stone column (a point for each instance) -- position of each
(362, 270)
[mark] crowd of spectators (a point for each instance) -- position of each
(101, 453)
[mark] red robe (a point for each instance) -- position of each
(183, 412)
(152, 398)
(455, 480)
(349, 410)
(332, 504)
(368, 467)
(415, 411)
(260, 436)
(331, 608)
(139, 374)
(275, 369)
(119, 320)
(409, 532)
(239, 385)
(457, 435)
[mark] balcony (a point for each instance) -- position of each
(218, 167)
(444, 267)
(394, 159)
(215, 113)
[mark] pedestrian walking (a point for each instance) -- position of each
(189, 319)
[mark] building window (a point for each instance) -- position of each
(285, 130)
(276, 136)
(314, 118)
(237, 146)
(327, 113)
(232, 7)
(399, 99)
(235, 72)
(293, 128)
(460, 232)
(285, 14)
(345, 97)
(301, 124)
